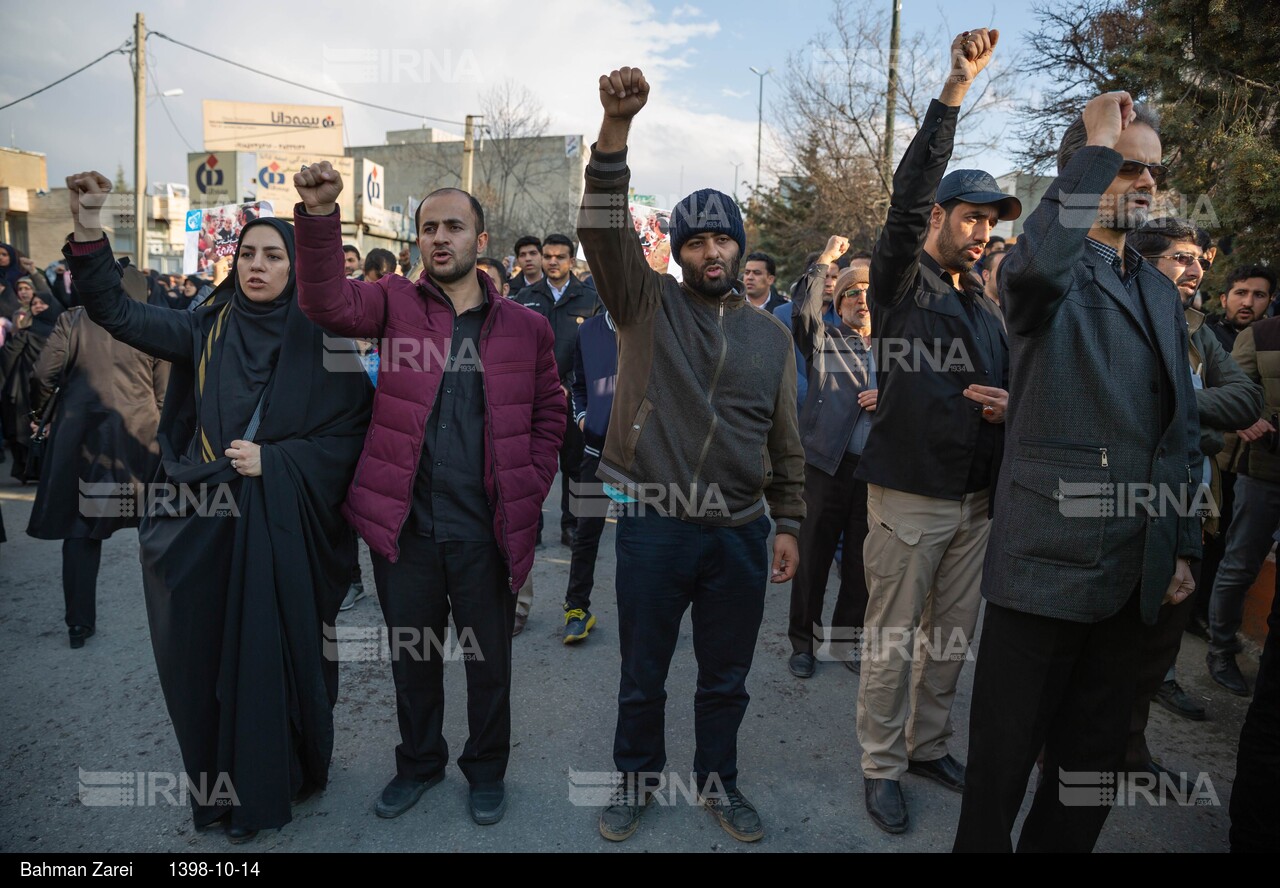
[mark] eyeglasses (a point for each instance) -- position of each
(1187, 259)
(855, 292)
(1132, 169)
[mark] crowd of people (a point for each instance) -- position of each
(951, 417)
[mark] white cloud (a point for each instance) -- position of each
(558, 54)
(734, 94)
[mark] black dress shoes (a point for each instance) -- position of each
(238, 835)
(1172, 697)
(802, 665)
(1223, 670)
(402, 793)
(946, 770)
(78, 635)
(885, 804)
(488, 802)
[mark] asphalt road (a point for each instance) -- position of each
(100, 709)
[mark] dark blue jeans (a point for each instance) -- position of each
(664, 566)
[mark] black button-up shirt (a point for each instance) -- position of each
(449, 499)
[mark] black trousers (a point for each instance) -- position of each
(81, 559)
(1053, 684)
(834, 505)
(665, 567)
(1160, 646)
(1214, 548)
(356, 578)
(417, 594)
(570, 470)
(586, 544)
(1255, 816)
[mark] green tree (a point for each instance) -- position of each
(1212, 69)
(832, 132)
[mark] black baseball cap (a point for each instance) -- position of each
(978, 187)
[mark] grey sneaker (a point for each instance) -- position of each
(354, 594)
(620, 818)
(735, 814)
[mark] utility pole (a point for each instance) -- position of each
(737, 165)
(760, 120)
(468, 151)
(891, 97)
(140, 139)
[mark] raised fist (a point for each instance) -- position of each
(1106, 116)
(836, 247)
(88, 192)
(623, 93)
(319, 185)
(970, 53)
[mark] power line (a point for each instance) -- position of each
(119, 49)
(314, 89)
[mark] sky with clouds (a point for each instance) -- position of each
(435, 58)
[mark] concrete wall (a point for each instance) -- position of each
(524, 185)
(23, 169)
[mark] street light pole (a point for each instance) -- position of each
(760, 119)
(891, 96)
(140, 140)
(468, 150)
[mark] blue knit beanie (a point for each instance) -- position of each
(703, 211)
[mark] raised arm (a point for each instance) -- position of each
(156, 330)
(1036, 273)
(895, 262)
(806, 314)
(628, 287)
(325, 294)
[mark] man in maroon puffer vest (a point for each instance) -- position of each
(467, 422)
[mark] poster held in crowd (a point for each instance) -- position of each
(212, 234)
(653, 227)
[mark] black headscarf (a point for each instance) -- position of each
(240, 353)
(14, 270)
(42, 324)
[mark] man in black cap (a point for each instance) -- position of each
(934, 449)
(702, 433)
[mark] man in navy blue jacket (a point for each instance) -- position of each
(595, 368)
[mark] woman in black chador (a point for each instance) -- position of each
(245, 557)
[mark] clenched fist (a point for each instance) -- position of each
(88, 193)
(836, 247)
(623, 93)
(319, 185)
(1106, 116)
(971, 52)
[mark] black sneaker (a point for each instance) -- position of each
(620, 818)
(735, 814)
